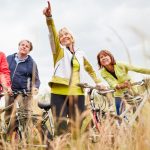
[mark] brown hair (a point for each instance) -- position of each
(105, 52)
(31, 46)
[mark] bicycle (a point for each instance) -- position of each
(17, 122)
(47, 116)
(136, 102)
(100, 109)
(21, 114)
(101, 113)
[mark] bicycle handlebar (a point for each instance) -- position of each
(14, 93)
(85, 85)
(102, 91)
(138, 83)
(23, 92)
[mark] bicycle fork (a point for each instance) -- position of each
(18, 120)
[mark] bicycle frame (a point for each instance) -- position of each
(139, 101)
(97, 113)
(47, 116)
(15, 121)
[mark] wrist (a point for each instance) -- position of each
(49, 16)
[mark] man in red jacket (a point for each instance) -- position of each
(5, 80)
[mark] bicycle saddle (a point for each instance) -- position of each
(45, 106)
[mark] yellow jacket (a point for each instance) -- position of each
(62, 60)
(121, 71)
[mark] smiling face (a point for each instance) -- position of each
(65, 37)
(24, 47)
(105, 60)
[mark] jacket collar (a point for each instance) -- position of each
(65, 48)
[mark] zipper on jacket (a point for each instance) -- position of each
(56, 69)
(14, 71)
(70, 81)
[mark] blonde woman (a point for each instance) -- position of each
(69, 66)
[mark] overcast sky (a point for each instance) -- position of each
(96, 24)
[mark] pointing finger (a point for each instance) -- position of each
(48, 4)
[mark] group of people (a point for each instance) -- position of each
(19, 72)
(69, 67)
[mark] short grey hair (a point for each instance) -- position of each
(31, 46)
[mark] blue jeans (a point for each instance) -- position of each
(119, 105)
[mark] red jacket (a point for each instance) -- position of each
(4, 71)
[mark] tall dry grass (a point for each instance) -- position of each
(111, 137)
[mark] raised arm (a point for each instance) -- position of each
(54, 38)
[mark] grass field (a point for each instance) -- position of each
(110, 137)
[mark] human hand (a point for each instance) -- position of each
(118, 86)
(9, 91)
(35, 91)
(126, 84)
(47, 11)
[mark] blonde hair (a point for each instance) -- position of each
(68, 31)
